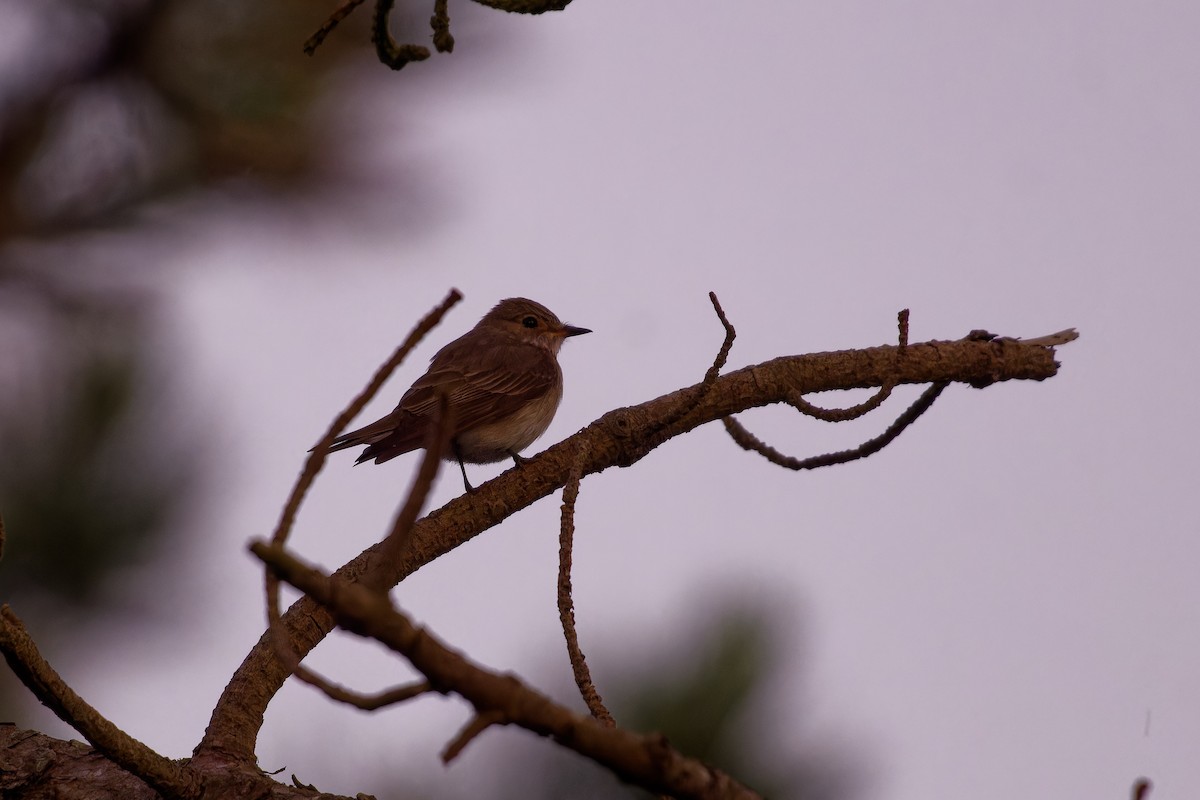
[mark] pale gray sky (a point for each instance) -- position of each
(991, 607)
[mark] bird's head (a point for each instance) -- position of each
(529, 322)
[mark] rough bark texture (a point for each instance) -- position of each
(34, 766)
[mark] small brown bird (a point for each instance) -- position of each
(502, 380)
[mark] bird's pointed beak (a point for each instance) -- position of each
(571, 330)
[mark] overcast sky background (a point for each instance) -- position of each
(1002, 604)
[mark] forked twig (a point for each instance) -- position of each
(316, 456)
(436, 441)
(566, 605)
(748, 441)
(710, 377)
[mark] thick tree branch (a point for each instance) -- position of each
(647, 760)
(619, 438)
(34, 766)
(167, 777)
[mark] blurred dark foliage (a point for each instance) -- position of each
(715, 693)
(93, 470)
(109, 110)
(107, 105)
(130, 130)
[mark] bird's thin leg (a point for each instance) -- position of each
(463, 467)
(517, 458)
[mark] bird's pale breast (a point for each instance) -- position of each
(496, 441)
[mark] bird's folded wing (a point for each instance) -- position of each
(483, 384)
(481, 394)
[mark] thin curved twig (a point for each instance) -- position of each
(566, 604)
(391, 54)
(437, 440)
(316, 456)
(479, 723)
(343, 11)
(796, 399)
(369, 702)
(748, 441)
(701, 390)
(167, 777)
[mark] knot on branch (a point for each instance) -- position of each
(621, 425)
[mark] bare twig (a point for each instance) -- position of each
(167, 777)
(343, 11)
(566, 605)
(1052, 339)
(647, 760)
(440, 22)
(748, 441)
(701, 390)
(723, 354)
(526, 6)
(437, 442)
(1141, 789)
(286, 653)
(397, 55)
(368, 702)
(391, 54)
(796, 399)
(316, 456)
(337, 692)
(475, 726)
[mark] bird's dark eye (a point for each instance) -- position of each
(529, 322)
